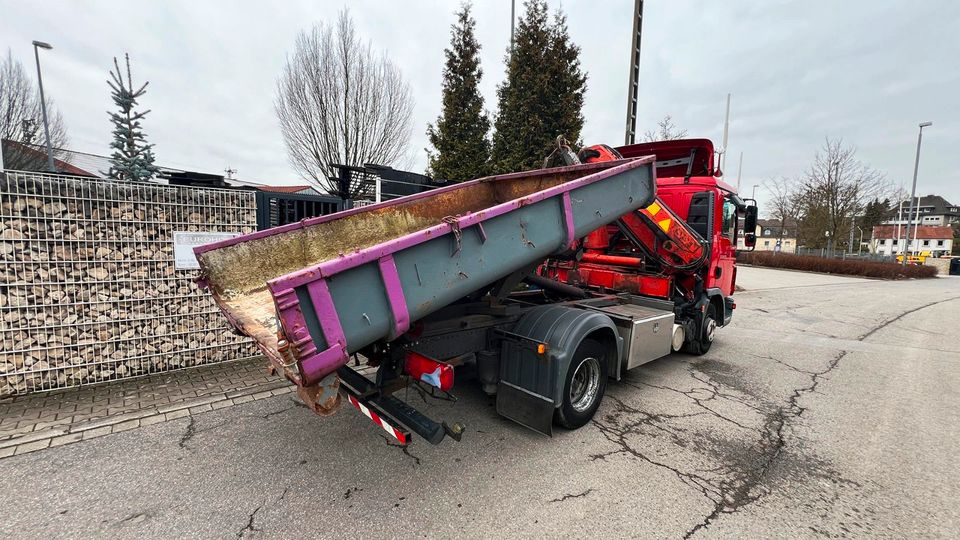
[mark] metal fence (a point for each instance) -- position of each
(88, 287)
(843, 254)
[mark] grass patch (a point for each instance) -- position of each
(847, 267)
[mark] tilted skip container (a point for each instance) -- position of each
(331, 285)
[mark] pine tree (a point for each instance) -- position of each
(875, 212)
(459, 136)
(568, 83)
(543, 94)
(521, 139)
(132, 157)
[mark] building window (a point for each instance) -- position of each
(766, 243)
(896, 241)
(939, 243)
(926, 243)
(767, 232)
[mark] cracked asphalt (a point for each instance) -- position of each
(829, 408)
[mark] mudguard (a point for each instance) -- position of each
(531, 382)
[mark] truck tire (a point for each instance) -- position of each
(584, 385)
(704, 339)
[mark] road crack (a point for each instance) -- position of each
(251, 519)
(404, 447)
(189, 433)
(741, 490)
(888, 322)
(572, 496)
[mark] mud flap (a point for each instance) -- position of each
(526, 408)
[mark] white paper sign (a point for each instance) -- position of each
(184, 242)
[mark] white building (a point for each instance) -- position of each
(936, 240)
(926, 210)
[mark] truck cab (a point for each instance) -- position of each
(689, 182)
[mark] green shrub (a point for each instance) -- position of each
(850, 267)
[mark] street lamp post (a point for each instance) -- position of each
(37, 45)
(899, 223)
(913, 191)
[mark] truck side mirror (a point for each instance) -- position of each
(750, 226)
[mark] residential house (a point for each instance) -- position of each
(934, 239)
(774, 236)
(933, 210)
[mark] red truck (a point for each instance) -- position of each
(547, 284)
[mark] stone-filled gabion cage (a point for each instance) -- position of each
(89, 291)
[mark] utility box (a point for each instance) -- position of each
(647, 332)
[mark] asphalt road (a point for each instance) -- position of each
(829, 408)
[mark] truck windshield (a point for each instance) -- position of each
(729, 219)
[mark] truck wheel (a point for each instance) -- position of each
(708, 327)
(585, 383)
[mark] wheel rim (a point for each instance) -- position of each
(585, 384)
(710, 329)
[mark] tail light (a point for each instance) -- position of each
(429, 371)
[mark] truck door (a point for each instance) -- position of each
(723, 273)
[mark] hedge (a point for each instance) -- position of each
(850, 267)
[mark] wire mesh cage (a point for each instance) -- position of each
(89, 291)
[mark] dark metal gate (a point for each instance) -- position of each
(275, 209)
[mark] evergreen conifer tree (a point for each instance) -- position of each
(132, 158)
(520, 140)
(542, 96)
(459, 136)
(567, 84)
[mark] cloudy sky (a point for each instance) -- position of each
(799, 71)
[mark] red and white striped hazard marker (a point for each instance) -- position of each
(394, 432)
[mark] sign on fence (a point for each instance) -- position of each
(184, 242)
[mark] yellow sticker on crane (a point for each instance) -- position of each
(664, 224)
(654, 208)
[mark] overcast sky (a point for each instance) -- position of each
(866, 71)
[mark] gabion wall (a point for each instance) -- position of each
(88, 288)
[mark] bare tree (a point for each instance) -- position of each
(784, 202)
(21, 119)
(835, 190)
(340, 103)
(666, 131)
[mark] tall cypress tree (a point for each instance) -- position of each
(522, 138)
(567, 83)
(132, 157)
(459, 137)
(543, 94)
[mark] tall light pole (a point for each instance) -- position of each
(739, 171)
(913, 190)
(726, 129)
(513, 20)
(899, 223)
(37, 45)
(633, 84)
